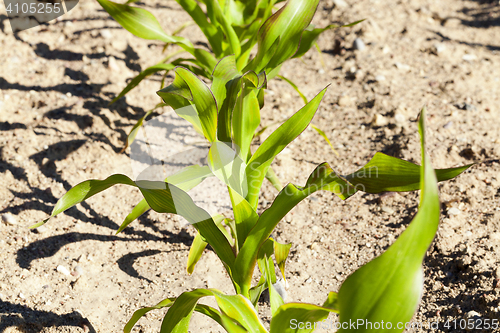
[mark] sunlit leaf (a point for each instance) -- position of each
(395, 277)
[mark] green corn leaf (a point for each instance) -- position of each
(226, 165)
(302, 317)
(386, 173)
(138, 314)
(141, 208)
(234, 309)
(281, 252)
(271, 176)
(195, 252)
(197, 69)
(304, 98)
(216, 14)
(266, 267)
(246, 115)
(323, 135)
(241, 310)
(309, 37)
(226, 86)
(144, 25)
(186, 90)
(185, 179)
(294, 86)
(141, 23)
(256, 291)
(179, 314)
(244, 215)
(285, 26)
(275, 143)
(161, 197)
(224, 73)
(395, 277)
(136, 80)
(323, 178)
(133, 132)
(214, 36)
(238, 103)
(201, 308)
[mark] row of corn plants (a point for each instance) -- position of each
(227, 114)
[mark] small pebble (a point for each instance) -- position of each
(399, 118)
(469, 57)
(379, 120)
(9, 219)
(448, 125)
(368, 244)
(63, 270)
(453, 211)
(78, 271)
(438, 48)
(106, 34)
(358, 44)
(309, 280)
(402, 67)
(340, 3)
(379, 78)
(113, 65)
(472, 314)
(21, 296)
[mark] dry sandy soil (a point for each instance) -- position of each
(56, 130)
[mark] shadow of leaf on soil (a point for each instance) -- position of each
(34, 321)
(126, 263)
(461, 283)
(484, 14)
(49, 246)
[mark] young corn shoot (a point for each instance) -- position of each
(231, 27)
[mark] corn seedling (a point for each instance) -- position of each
(231, 27)
(227, 114)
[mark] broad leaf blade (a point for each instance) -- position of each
(141, 208)
(386, 173)
(178, 316)
(276, 142)
(241, 310)
(161, 197)
(281, 252)
(210, 31)
(138, 314)
(395, 277)
(302, 317)
(195, 252)
(142, 23)
(286, 27)
(187, 90)
(323, 178)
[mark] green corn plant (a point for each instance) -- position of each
(227, 114)
(231, 27)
